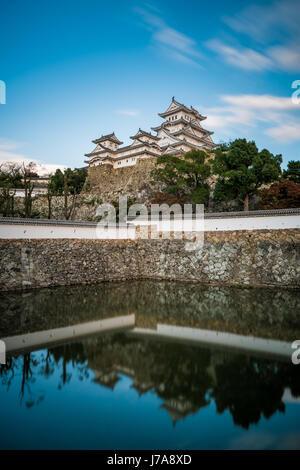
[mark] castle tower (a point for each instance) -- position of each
(182, 129)
(107, 147)
(180, 132)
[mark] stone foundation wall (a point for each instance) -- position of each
(258, 258)
(133, 181)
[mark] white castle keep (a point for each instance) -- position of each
(180, 132)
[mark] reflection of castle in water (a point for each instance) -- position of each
(186, 378)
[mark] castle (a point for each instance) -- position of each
(180, 132)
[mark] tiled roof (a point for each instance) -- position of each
(110, 137)
(147, 134)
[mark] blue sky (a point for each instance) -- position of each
(77, 69)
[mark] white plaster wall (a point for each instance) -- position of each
(35, 192)
(31, 231)
(129, 161)
(39, 231)
(189, 139)
(227, 224)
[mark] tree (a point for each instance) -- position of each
(51, 191)
(293, 171)
(170, 199)
(241, 170)
(27, 176)
(68, 184)
(185, 176)
(283, 195)
(57, 182)
(10, 180)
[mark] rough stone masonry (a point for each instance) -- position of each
(255, 258)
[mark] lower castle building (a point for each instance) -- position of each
(180, 132)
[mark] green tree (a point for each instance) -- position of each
(241, 170)
(27, 176)
(68, 184)
(10, 180)
(57, 183)
(187, 176)
(293, 171)
(51, 191)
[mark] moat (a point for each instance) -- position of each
(133, 388)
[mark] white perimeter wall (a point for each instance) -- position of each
(31, 231)
(37, 231)
(276, 222)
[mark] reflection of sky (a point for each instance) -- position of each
(83, 414)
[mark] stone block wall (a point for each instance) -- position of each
(133, 181)
(250, 258)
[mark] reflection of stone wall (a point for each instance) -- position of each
(264, 312)
(258, 258)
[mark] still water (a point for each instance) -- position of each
(146, 378)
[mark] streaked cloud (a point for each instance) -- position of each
(274, 28)
(286, 57)
(253, 440)
(276, 21)
(260, 101)
(169, 41)
(285, 132)
(237, 113)
(128, 112)
(242, 57)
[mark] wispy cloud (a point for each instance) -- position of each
(260, 101)
(274, 28)
(242, 57)
(128, 112)
(10, 153)
(285, 132)
(253, 440)
(276, 21)
(286, 57)
(169, 41)
(238, 113)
